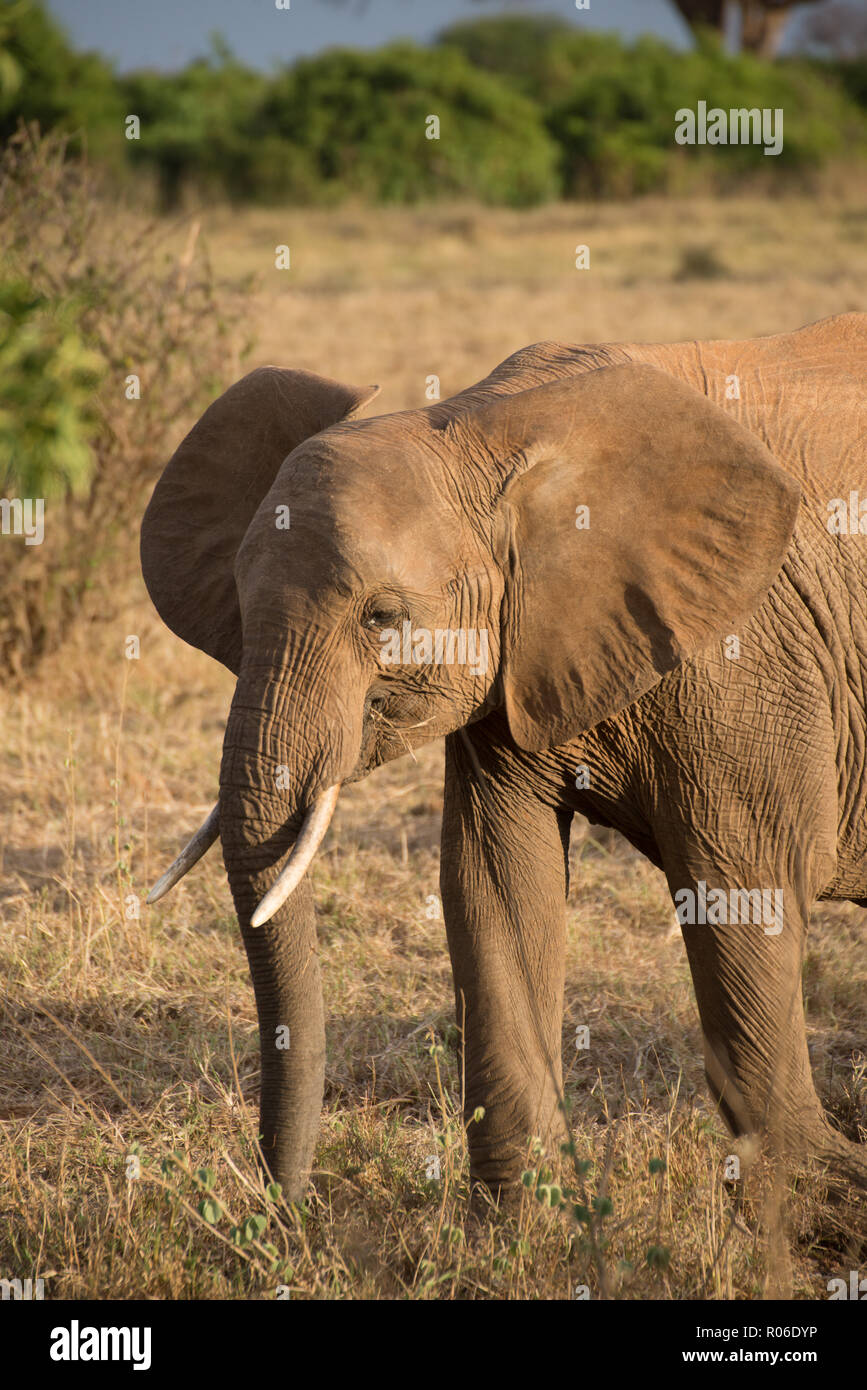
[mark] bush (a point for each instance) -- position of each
(344, 123)
(359, 121)
(47, 412)
(615, 127)
(852, 77)
(535, 54)
(88, 299)
(195, 127)
(43, 79)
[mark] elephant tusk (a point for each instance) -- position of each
(310, 837)
(199, 845)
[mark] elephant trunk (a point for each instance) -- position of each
(274, 768)
(310, 837)
(284, 966)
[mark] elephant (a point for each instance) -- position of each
(626, 580)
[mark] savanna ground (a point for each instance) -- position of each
(131, 1038)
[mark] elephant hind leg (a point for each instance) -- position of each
(796, 1125)
(746, 970)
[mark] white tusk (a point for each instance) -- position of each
(310, 837)
(199, 845)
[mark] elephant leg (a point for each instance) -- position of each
(747, 978)
(503, 881)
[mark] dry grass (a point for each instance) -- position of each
(386, 296)
(122, 1032)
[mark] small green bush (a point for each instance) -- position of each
(535, 54)
(196, 128)
(615, 127)
(360, 121)
(87, 302)
(43, 79)
(47, 411)
(852, 77)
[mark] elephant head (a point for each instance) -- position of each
(551, 548)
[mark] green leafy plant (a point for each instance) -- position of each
(47, 412)
(361, 121)
(88, 304)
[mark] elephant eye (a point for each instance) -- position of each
(379, 614)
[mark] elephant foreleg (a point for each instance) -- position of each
(503, 881)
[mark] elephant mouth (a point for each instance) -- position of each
(389, 718)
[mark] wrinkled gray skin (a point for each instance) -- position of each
(707, 470)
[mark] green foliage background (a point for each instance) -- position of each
(47, 409)
(85, 301)
(530, 109)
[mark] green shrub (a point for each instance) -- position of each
(47, 412)
(535, 54)
(88, 301)
(43, 79)
(852, 77)
(615, 127)
(195, 127)
(359, 119)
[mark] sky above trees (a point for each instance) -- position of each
(167, 33)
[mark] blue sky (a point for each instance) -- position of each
(167, 33)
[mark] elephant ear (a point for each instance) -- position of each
(211, 488)
(688, 518)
